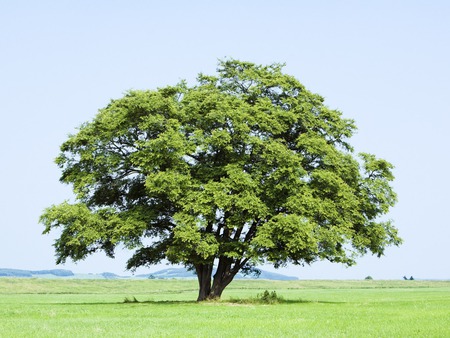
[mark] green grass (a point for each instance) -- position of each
(167, 308)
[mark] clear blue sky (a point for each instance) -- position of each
(384, 63)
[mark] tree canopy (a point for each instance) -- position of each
(243, 168)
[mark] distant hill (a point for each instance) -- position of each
(274, 276)
(161, 274)
(184, 273)
(35, 273)
(169, 273)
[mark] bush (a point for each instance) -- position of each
(368, 278)
(262, 298)
(269, 297)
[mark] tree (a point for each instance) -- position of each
(243, 168)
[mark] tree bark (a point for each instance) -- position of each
(204, 272)
(218, 286)
(223, 276)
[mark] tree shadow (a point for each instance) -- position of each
(245, 301)
(253, 301)
(137, 302)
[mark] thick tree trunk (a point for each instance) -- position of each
(218, 286)
(204, 272)
(223, 276)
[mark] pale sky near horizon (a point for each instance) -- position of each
(384, 63)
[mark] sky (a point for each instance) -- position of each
(384, 63)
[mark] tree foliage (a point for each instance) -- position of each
(245, 167)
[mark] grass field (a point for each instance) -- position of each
(167, 308)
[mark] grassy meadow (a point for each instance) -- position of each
(167, 308)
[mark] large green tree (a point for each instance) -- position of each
(246, 167)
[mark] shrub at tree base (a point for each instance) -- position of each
(243, 168)
(270, 297)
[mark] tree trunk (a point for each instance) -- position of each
(204, 272)
(218, 286)
(223, 276)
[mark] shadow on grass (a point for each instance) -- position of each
(279, 302)
(154, 302)
(247, 301)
